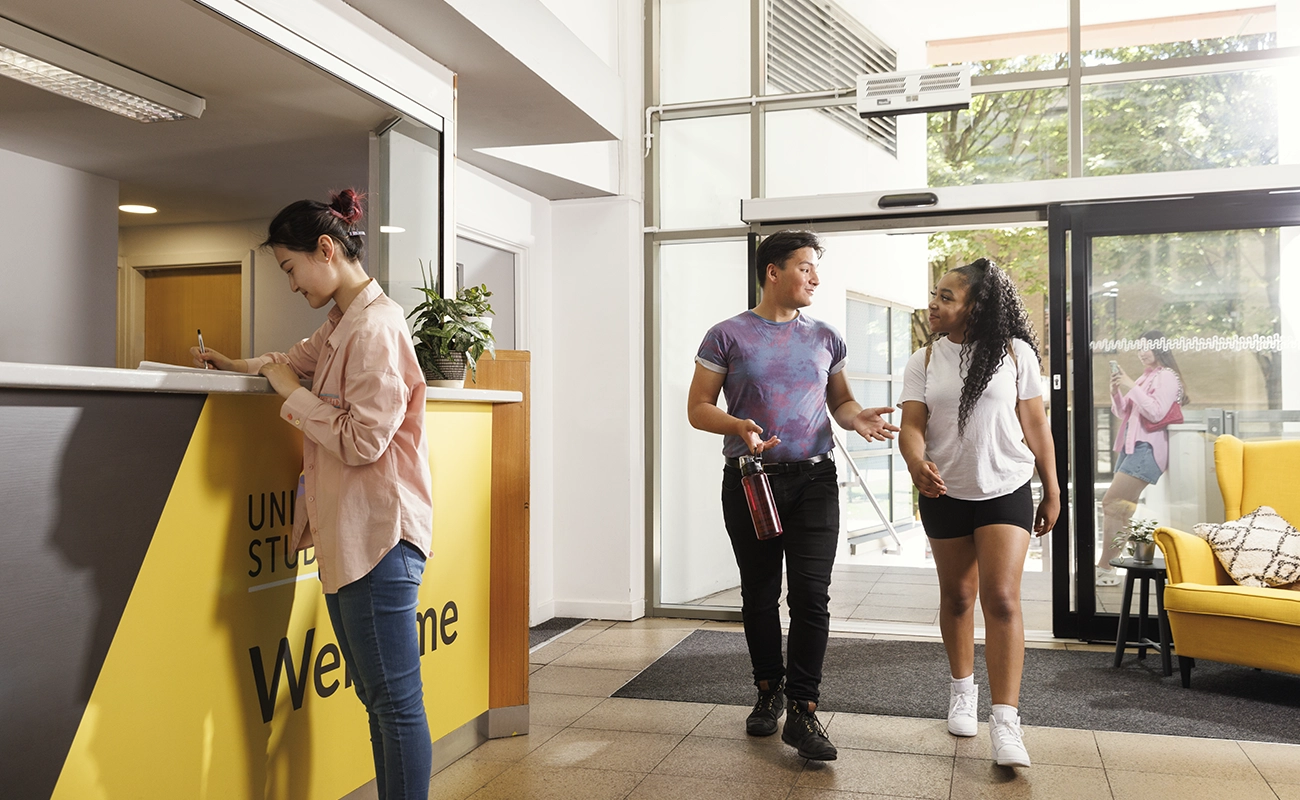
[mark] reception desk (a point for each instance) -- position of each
(156, 637)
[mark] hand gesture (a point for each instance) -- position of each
(1120, 382)
(1048, 509)
(750, 434)
(282, 377)
(870, 424)
(927, 480)
(210, 358)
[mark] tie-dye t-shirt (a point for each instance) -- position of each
(776, 375)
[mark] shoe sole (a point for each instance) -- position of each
(963, 734)
(1010, 762)
(810, 756)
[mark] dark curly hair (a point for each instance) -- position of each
(997, 315)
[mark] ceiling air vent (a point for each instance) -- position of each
(887, 95)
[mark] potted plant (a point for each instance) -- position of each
(450, 333)
(1139, 537)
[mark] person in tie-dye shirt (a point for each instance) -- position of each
(781, 372)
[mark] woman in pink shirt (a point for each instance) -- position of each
(1142, 452)
(364, 498)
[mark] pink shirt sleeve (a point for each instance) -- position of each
(372, 397)
(301, 357)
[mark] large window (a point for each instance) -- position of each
(878, 335)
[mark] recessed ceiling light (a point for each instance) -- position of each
(132, 209)
(391, 229)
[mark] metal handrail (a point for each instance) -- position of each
(870, 495)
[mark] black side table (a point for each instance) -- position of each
(1146, 573)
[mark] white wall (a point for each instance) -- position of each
(280, 317)
(492, 208)
(59, 265)
(599, 409)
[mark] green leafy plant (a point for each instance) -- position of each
(1137, 531)
(443, 327)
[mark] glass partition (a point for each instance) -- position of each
(1193, 328)
(701, 284)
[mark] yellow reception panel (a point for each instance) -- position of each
(224, 679)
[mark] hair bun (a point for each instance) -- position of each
(346, 205)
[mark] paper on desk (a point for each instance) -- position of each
(158, 365)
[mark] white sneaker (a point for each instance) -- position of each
(962, 719)
(1008, 742)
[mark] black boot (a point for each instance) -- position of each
(771, 704)
(803, 732)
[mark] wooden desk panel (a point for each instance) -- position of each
(508, 666)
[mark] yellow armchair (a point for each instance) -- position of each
(1210, 616)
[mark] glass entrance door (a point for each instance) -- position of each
(1183, 327)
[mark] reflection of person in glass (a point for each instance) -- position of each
(1142, 443)
(780, 371)
(974, 428)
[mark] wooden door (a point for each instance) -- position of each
(180, 301)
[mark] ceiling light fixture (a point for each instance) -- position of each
(47, 63)
(391, 229)
(134, 209)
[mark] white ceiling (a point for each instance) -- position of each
(275, 129)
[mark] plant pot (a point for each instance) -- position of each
(450, 372)
(1144, 552)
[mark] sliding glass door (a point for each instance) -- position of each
(1183, 316)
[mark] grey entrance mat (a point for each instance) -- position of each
(1061, 688)
(548, 630)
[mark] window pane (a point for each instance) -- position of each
(867, 338)
(1221, 303)
(703, 50)
(869, 394)
(825, 151)
(704, 171)
(1001, 138)
(1016, 36)
(1114, 32)
(901, 333)
(1198, 122)
(696, 559)
(903, 511)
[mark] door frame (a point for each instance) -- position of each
(1072, 227)
(130, 297)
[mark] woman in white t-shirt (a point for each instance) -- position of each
(973, 429)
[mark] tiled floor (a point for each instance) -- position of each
(585, 745)
(883, 593)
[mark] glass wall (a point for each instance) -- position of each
(746, 98)
(1190, 331)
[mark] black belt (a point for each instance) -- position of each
(783, 467)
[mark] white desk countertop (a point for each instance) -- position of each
(14, 375)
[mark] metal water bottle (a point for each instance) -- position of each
(758, 494)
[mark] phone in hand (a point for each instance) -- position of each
(1114, 367)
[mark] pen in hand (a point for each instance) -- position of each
(206, 364)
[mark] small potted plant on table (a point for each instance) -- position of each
(1139, 537)
(451, 333)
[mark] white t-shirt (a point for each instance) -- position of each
(991, 459)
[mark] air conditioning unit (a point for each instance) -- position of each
(886, 94)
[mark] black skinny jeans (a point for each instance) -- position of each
(808, 502)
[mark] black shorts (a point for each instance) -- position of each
(947, 517)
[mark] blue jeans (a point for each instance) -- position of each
(808, 503)
(374, 619)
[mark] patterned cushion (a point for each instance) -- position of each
(1260, 549)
